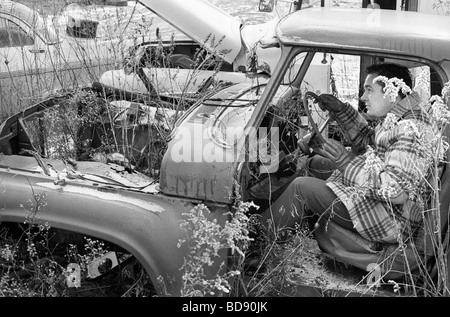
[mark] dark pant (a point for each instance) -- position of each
(305, 196)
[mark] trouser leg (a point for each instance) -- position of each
(305, 196)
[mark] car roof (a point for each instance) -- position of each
(31, 17)
(372, 30)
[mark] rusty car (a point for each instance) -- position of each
(213, 155)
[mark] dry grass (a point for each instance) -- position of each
(71, 63)
(302, 261)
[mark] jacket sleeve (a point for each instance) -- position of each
(355, 128)
(398, 174)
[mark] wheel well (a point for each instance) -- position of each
(105, 268)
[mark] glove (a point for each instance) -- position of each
(336, 152)
(331, 103)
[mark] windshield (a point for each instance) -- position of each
(229, 125)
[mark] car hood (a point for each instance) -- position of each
(97, 172)
(218, 31)
(170, 81)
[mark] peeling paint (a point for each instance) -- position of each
(108, 196)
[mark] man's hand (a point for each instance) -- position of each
(331, 103)
(336, 152)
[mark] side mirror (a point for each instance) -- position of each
(266, 5)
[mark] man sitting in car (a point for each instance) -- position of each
(374, 189)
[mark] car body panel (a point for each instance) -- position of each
(137, 221)
(183, 169)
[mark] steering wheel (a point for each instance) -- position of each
(317, 117)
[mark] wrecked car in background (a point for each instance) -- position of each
(220, 49)
(44, 54)
(229, 146)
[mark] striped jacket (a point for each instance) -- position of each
(392, 160)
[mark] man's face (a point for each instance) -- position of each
(377, 104)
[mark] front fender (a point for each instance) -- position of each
(146, 225)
